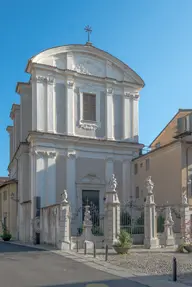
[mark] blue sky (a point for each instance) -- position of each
(153, 37)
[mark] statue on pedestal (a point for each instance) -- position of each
(64, 197)
(149, 185)
(113, 183)
(184, 198)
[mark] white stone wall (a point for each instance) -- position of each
(52, 103)
(50, 231)
(56, 168)
(116, 102)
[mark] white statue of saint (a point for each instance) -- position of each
(64, 196)
(169, 218)
(149, 185)
(184, 198)
(113, 183)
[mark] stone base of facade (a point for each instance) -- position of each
(151, 243)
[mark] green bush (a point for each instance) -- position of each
(124, 240)
(6, 236)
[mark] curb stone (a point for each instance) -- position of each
(142, 278)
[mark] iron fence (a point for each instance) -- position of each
(132, 218)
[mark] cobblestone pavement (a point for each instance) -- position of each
(154, 263)
(23, 266)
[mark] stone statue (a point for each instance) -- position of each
(113, 183)
(149, 185)
(169, 218)
(87, 216)
(184, 198)
(64, 197)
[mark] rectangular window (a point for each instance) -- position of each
(147, 162)
(89, 107)
(5, 195)
(137, 192)
(135, 168)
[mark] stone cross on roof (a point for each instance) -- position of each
(88, 30)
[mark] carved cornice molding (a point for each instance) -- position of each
(89, 126)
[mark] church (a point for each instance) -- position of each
(75, 126)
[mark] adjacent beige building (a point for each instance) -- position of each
(8, 206)
(169, 163)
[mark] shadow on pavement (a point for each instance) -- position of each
(185, 279)
(6, 247)
(105, 283)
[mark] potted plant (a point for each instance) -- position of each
(188, 247)
(6, 236)
(123, 243)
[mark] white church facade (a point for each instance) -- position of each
(76, 125)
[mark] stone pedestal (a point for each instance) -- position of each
(185, 222)
(65, 224)
(112, 214)
(87, 226)
(168, 228)
(150, 236)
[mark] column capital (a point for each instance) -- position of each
(70, 84)
(43, 154)
(109, 159)
(131, 96)
(43, 79)
(71, 154)
(109, 90)
(126, 160)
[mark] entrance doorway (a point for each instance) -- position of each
(91, 198)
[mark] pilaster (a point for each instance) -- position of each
(109, 168)
(126, 180)
(70, 116)
(126, 116)
(109, 114)
(135, 116)
(71, 184)
(10, 131)
(50, 106)
(39, 103)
